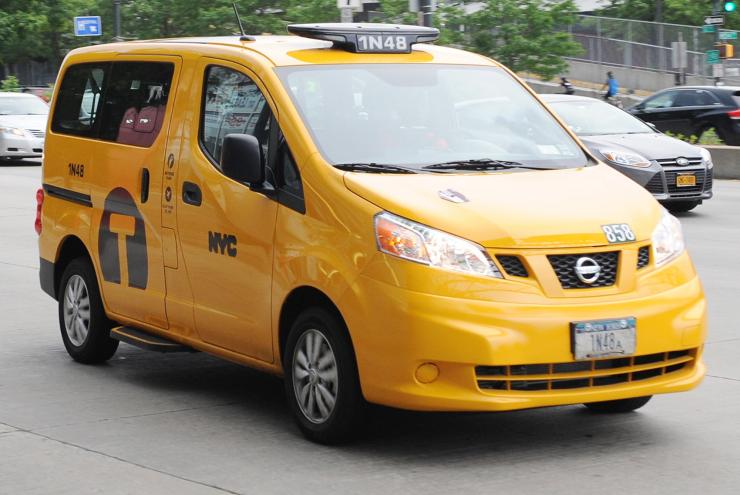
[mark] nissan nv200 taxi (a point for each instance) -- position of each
(375, 218)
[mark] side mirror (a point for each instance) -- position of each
(241, 159)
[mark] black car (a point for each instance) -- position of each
(677, 173)
(694, 110)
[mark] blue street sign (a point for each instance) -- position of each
(88, 26)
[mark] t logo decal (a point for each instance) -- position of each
(122, 229)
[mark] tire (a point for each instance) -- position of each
(681, 206)
(618, 406)
(85, 327)
(311, 385)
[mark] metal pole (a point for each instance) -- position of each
(117, 19)
(426, 12)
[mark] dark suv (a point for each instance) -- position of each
(694, 110)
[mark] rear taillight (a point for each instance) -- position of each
(734, 114)
(39, 204)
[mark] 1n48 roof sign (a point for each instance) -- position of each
(88, 26)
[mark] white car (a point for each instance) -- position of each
(22, 125)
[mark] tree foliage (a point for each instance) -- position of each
(520, 33)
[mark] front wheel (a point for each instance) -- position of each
(82, 320)
(321, 380)
(618, 406)
(682, 206)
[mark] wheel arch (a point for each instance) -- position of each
(70, 248)
(298, 300)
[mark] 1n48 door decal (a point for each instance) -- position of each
(122, 226)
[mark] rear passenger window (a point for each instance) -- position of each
(135, 102)
(78, 103)
(232, 104)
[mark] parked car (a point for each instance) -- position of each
(22, 125)
(677, 173)
(694, 111)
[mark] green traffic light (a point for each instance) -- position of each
(730, 6)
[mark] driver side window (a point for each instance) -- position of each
(664, 100)
(232, 104)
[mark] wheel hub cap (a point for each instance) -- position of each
(315, 379)
(76, 310)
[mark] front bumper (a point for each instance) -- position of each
(396, 330)
(12, 146)
(663, 185)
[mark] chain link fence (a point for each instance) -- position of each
(644, 44)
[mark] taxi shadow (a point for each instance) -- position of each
(20, 163)
(413, 437)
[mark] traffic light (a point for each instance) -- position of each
(729, 6)
(726, 50)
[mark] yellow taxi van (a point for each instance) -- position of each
(377, 219)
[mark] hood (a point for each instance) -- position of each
(653, 146)
(530, 209)
(36, 122)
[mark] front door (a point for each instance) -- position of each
(127, 178)
(226, 230)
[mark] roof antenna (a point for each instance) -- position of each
(244, 36)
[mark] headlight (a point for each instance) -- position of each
(13, 130)
(667, 239)
(415, 242)
(706, 157)
(625, 158)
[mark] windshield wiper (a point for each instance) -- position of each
(375, 167)
(478, 164)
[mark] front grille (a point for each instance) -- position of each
(671, 162)
(581, 374)
(708, 182)
(37, 133)
(655, 185)
(670, 176)
(512, 265)
(643, 257)
(564, 266)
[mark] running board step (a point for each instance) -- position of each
(148, 341)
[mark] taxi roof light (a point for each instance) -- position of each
(367, 37)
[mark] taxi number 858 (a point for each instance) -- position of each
(381, 43)
(618, 232)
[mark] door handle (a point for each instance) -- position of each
(144, 185)
(191, 194)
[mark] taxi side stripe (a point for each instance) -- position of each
(68, 194)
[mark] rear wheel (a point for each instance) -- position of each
(321, 380)
(82, 320)
(682, 206)
(618, 406)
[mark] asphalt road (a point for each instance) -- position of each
(151, 423)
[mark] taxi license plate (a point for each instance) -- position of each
(604, 338)
(685, 180)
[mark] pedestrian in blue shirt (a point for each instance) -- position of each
(611, 85)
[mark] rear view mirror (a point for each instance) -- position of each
(241, 159)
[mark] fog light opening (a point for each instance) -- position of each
(427, 373)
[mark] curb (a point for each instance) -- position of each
(726, 161)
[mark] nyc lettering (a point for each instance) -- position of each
(219, 243)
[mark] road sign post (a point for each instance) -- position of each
(88, 25)
(714, 20)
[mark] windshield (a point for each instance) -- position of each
(594, 117)
(20, 105)
(414, 115)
